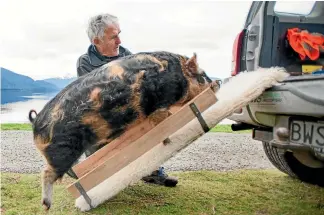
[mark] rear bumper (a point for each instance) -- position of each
(283, 136)
(297, 96)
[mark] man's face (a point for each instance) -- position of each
(109, 44)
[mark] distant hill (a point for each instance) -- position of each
(60, 82)
(13, 81)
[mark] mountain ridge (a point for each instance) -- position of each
(11, 80)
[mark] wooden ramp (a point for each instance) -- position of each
(133, 143)
(140, 150)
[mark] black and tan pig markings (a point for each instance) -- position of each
(98, 107)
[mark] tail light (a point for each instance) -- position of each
(236, 53)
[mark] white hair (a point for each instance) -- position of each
(97, 25)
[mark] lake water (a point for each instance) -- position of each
(15, 105)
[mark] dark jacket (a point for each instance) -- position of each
(93, 59)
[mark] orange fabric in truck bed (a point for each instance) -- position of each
(305, 43)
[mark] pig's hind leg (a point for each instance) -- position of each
(48, 178)
(61, 157)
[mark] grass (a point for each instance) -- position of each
(16, 126)
(228, 129)
(259, 192)
(27, 127)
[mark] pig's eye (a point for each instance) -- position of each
(206, 77)
(200, 79)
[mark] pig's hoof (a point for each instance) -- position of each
(46, 204)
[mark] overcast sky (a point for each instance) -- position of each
(43, 39)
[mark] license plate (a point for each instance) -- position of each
(307, 133)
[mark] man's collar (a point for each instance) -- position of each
(96, 59)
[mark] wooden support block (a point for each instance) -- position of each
(140, 139)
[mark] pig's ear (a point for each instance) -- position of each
(191, 64)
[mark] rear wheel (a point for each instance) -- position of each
(277, 159)
(287, 163)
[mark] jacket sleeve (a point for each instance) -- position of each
(83, 66)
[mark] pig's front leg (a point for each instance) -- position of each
(158, 116)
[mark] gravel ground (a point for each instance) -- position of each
(213, 151)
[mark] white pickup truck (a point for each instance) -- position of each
(288, 119)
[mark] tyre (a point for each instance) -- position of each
(287, 163)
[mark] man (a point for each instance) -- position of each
(103, 32)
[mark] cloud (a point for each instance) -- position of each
(43, 39)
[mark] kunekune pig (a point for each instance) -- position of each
(100, 106)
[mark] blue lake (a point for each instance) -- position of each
(15, 104)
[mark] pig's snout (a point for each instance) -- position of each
(215, 85)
